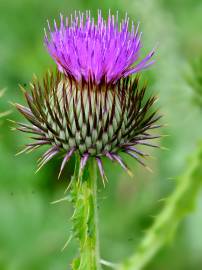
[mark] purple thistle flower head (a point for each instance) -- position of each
(106, 50)
(88, 107)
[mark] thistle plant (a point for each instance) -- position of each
(93, 108)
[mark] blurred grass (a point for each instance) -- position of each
(32, 231)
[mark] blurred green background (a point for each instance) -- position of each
(33, 231)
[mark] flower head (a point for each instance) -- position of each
(90, 106)
(105, 50)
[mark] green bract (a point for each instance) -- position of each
(92, 120)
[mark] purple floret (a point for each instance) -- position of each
(106, 50)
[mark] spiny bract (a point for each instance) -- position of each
(94, 120)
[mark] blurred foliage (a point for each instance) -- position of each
(32, 231)
(180, 203)
(194, 78)
(2, 114)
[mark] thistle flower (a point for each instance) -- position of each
(103, 51)
(91, 106)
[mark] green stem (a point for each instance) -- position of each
(94, 188)
(179, 204)
(85, 218)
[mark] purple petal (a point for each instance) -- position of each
(107, 50)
